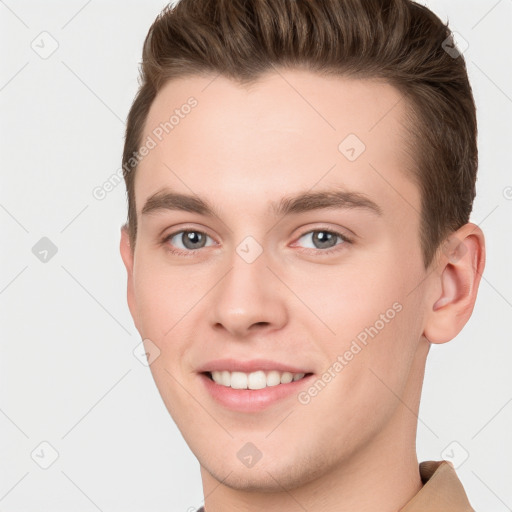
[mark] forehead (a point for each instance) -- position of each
(286, 132)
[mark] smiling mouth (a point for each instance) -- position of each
(254, 380)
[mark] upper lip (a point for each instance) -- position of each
(232, 365)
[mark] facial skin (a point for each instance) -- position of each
(352, 447)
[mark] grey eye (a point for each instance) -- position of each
(189, 240)
(322, 239)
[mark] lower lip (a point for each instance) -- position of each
(252, 400)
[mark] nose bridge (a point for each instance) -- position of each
(248, 294)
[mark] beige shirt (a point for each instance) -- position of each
(441, 491)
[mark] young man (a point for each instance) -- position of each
(300, 176)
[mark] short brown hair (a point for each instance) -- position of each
(398, 41)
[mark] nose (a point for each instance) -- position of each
(249, 299)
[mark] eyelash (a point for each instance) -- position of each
(190, 252)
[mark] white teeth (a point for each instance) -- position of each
(226, 378)
(257, 380)
(254, 380)
(239, 380)
(286, 377)
(273, 378)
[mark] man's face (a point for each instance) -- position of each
(254, 283)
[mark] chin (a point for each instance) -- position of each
(268, 476)
(260, 480)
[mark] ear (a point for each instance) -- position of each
(127, 254)
(461, 262)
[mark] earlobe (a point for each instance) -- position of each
(462, 261)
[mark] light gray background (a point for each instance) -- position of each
(68, 373)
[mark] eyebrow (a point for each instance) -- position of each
(300, 203)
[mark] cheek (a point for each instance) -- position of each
(163, 295)
(347, 298)
(368, 368)
(156, 306)
(370, 322)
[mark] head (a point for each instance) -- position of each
(357, 108)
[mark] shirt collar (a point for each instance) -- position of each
(442, 490)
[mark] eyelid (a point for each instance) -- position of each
(188, 252)
(342, 232)
(166, 238)
(346, 239)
